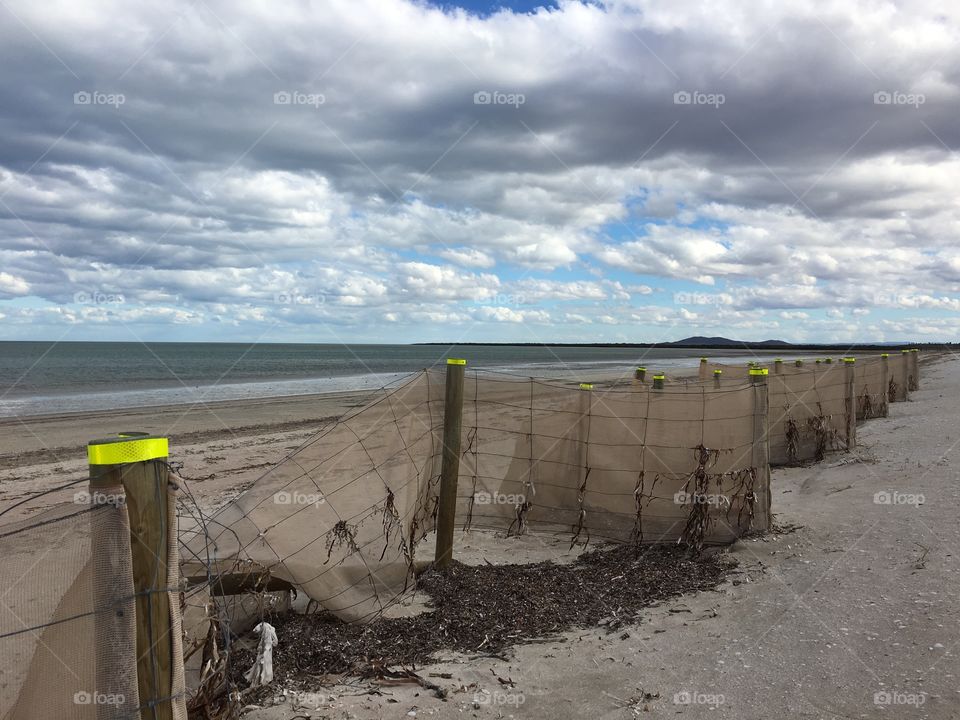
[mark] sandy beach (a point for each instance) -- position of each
(846, 610)
(224, 446)
(847, 599)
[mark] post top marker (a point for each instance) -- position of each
(127, 447)
(456, 361)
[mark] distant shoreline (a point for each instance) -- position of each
(895, 347)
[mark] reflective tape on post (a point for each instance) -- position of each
(718, 372)
(122, 449)
(456, 361)
(759, 371)
(586, 386)
(849, 361)
(885, 355)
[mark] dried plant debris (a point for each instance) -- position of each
(487, 609)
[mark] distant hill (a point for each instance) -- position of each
(699, 340)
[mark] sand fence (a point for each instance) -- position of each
(90, 621)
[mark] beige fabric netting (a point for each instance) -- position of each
(342, 515)
(67, 633)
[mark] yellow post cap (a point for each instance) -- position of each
(703, 359)
(850, 361)
(586, 386)
(660, 376)
(915, 350)
(885, 355)
(456, 361)
(127, 448)
(759, 371)
(718, 372)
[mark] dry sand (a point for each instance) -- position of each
(225, 446)
(856, 607)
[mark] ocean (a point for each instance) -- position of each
(39, 378)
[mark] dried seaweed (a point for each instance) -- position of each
(490, 608)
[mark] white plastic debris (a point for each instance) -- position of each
(262, 671)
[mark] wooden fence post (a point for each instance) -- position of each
(114, 599)
(885, 383)
(760, 450)
(641, 374)
(905, 374)
(915, 368)
(658, 381)
(137, 463)
(450, 463)
(777, 366)
(704, 369)
(850, 402)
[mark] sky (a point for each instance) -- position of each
(394, 171)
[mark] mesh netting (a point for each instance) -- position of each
(67, 647)
(341, 516)
(613, 465)
(870, 388)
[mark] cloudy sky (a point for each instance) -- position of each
(385, 170)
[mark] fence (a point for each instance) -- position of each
(613, 465)
(89, 616)
(342, 516)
